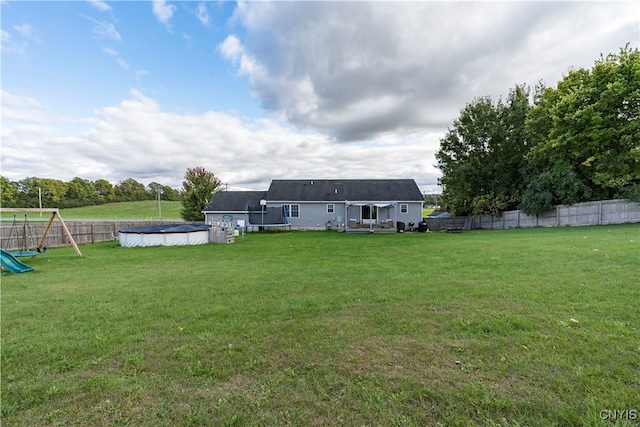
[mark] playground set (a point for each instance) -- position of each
(9, 260)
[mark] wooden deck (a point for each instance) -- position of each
(373, 228)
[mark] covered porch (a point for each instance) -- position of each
(370, 217)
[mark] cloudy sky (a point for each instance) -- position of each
(255, 91)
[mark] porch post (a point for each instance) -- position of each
(346, 218)
(395, 215)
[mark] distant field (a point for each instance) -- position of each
(143, 210)
(147, 209)
(525, 327)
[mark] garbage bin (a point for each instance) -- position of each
(400, 226)
(422, 227)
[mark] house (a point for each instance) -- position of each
(345, 205)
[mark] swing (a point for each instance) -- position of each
(54, 213)
(24, 251)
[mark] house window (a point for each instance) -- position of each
(291, 211)
(331, 208)
(404, 208)
(369, 212)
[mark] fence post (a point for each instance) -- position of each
(600, 213)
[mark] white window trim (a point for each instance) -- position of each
(289, 210)
(404, 207)
(331, 208)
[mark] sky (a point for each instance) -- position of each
(255, 91)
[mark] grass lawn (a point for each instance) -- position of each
(146, 210)
(142, 210)
(498, 328)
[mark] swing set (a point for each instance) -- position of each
(40, 248)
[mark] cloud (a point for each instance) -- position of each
(119, 60)
(9, 45)
(18, 45)
(25, 29)
(140, 74)
(110, 51)
(105, 30)
(163, 11)
(138, 138)
(13, 100)
(202, 13)
(100, 5)
(27, 127)
(231, 48)
(358, 70)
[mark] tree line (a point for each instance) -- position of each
(27, 192)
(577, 142)
(196, 191)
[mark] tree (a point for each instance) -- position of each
(105, 191)
(166, 192)
(8, 192)
(80, 192)
(153, 189)
(171, 194)
(197, 189)
(482, 155)
(51, 191)
(586, 136)
(430, 200)
(130, 190)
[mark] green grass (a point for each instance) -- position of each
(323, 328)
(147, 209)
(142, 210)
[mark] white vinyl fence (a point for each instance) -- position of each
(617, 211)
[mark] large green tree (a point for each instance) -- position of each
(482, 155)
(585, 136)
(197, 189)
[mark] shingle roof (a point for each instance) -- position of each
(234, 201)
(313, 190)
(344, 189)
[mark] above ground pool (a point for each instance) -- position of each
(165, 235)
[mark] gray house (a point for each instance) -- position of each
(347, 205)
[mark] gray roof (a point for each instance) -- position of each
(319, 190)
(234, 201)
(335, 190)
